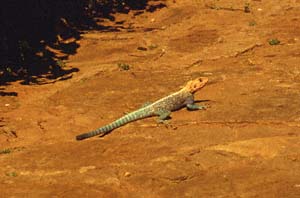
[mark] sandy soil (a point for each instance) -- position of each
(247, 144)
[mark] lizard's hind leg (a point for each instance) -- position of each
(163, 115)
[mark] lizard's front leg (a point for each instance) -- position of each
(191, 106)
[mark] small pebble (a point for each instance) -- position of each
(127, 174)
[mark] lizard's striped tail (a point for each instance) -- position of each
(136, 115)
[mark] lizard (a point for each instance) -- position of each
(162, 108)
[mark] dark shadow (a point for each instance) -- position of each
(153, 8)
(5, 93)
(106, 9)
(37, 37)
(199, 101)
(105, 134)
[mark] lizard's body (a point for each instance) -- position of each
(161, 108)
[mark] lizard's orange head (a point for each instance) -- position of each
(194, 85)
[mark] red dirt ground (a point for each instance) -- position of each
(247, 144)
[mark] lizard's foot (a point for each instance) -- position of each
(160, 121)
(167, 124)
(202, 107)
(164, 123)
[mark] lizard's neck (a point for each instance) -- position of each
(185, 90)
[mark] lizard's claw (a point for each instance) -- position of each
(160, 121)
